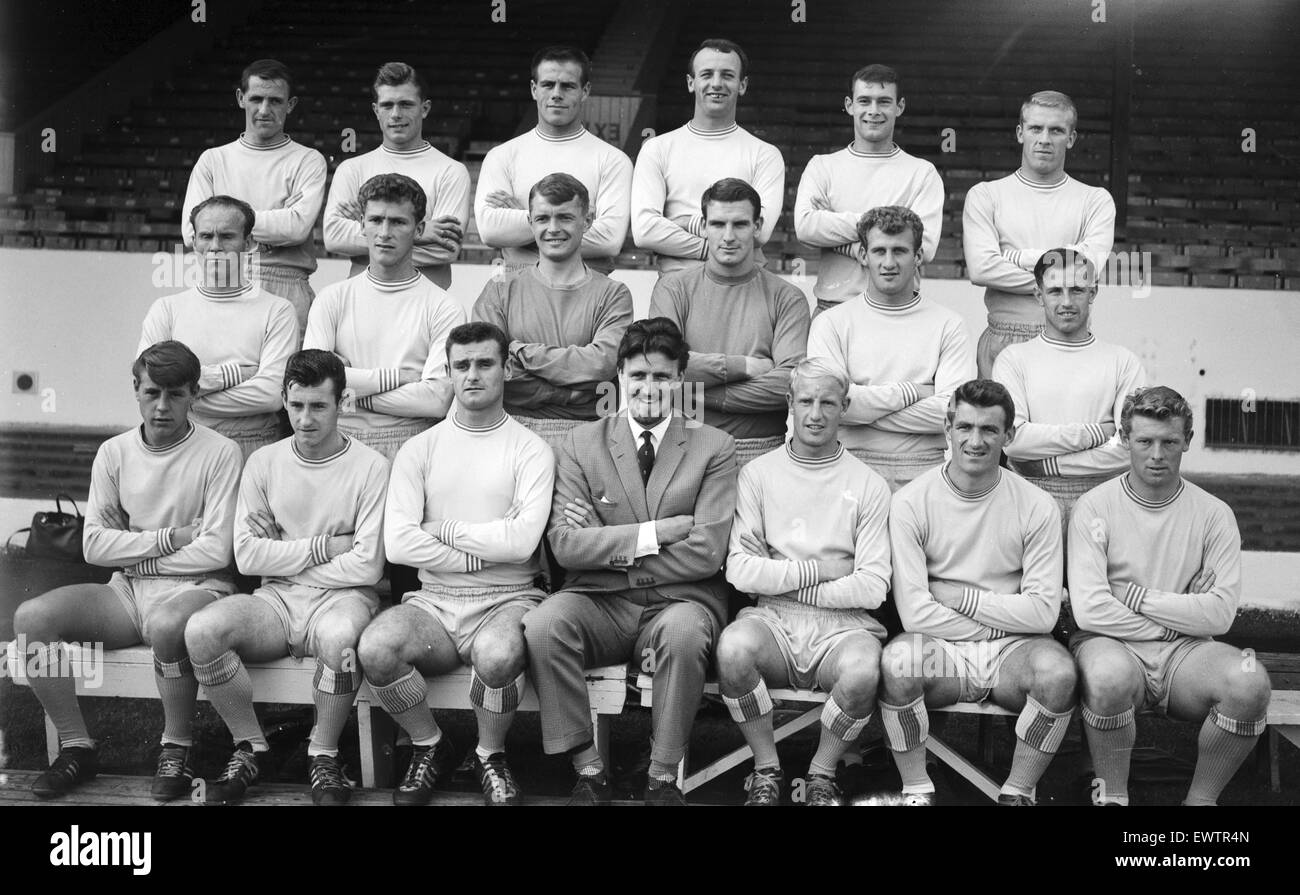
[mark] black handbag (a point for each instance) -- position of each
(56, 535)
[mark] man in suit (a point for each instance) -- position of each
(641, 517)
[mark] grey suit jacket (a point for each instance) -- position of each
(694, 475)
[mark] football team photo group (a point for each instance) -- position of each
(750, 490)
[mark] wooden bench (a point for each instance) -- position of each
(812, 716)
(129, 673)
(1283, 721)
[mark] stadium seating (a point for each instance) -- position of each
(1191, 184)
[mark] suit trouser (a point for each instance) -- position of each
(573, 631)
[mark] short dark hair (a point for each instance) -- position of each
(876, 74)
(891, 220)
(559, 188)
(228, 202)
(394, 188)
(984, 393)
(169, 364)
(731, 189)
(1062, 257)
(395, 74)
(311, 367)
(478, 331)
(1159, 402)
(267, 70)
(563, 53)
(654, 335)
(722, 45)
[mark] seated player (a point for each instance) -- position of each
(401, 107)
(977, 581)
(1068, 388)
(563, 319)
(903, 353)
(811, 542)
(162, 497)
(642, 512)
(747, 327)
(1155, 574)
(310, 522)
(467, 506)
(242, 334)
(560, 86)
(388, 324)
(836, 189)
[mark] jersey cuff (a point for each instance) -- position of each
(1134, 594)
(165, 545)
(319, 554)
(970, 602)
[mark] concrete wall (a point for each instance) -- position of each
(73, 318)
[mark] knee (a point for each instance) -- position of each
(1246, 693)
(549, 626)
(900, 661)
(737, 657)
(204, 638)
(859, 681)
(1108, 688)
(377, 648)
(1055, 680)
(336, 637)
(34, 620)
(688, 635)
(168, 624)
(500, 658)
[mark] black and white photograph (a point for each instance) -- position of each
(846, 403)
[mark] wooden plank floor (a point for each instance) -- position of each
(115, 790)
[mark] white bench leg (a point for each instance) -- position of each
(51, 739)
(366, 745)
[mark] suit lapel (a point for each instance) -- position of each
(623, 452)
(667, 460)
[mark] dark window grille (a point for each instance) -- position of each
(1245, 422)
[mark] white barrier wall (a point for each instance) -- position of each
(73, 319)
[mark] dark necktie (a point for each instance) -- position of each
(646, 457)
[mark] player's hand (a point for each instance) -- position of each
(350, 209)
(947, 593)
(247, 372)
(1202, 582)
(673, 529)
(834, 569)
(406, 377)
(502, 199)
(1108, 429)
(578, 513)
(817, 203)
(757, 366)
(262, 524)
(923, 390)
(292, 200)
(184, 536)
(444, 233)
(114, 517)
(752, 546)
(337, 545)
